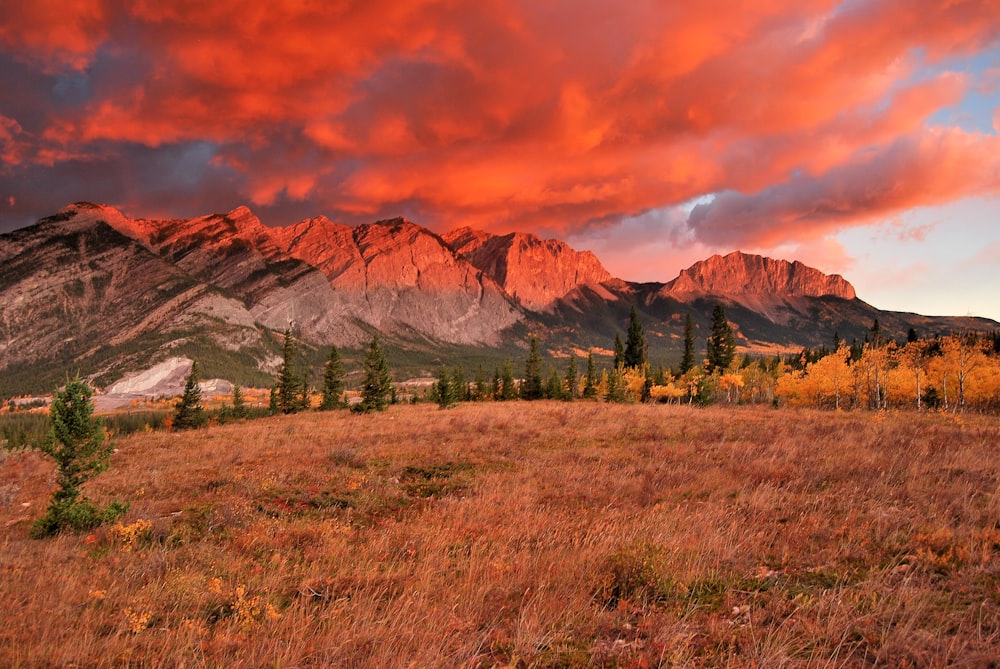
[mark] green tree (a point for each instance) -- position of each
(239, 410)
(460, 385)
(571, 380)
(508, 389)
(590, 380)
(188, 412)
(444, 389)
(687, 361)
(635, 342)
(333, 382)
(619, 351)
(721, 343)
(292, 391)
(376, 391)
(616, 386)
(553, 387)
(531, 388)
(79, 445)
(482, 385)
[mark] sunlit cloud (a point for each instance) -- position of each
(783, 122)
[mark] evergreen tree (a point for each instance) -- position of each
(553, 389)
(635, 342)
(482, 385)
(460, 385)
(509, 388)
(496, 386)
(291, 389)
(77, 442)
(531, 388)
(333, 382)
(688, 362)
(590, 381)
(376, 391)
(239, 410)
(188, 412)
(616, 386)
(721, 343)
(619, 351)
(571, 380)
(272, 405)
(444, 389)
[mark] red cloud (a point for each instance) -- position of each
(511, 113)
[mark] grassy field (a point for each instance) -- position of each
(521, 534)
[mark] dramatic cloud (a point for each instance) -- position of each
(801, 116)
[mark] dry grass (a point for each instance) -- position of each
(530, 535)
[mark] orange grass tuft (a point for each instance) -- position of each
(528, 534)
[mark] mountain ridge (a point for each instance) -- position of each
(114, 294)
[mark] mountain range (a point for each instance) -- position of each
(91, 290)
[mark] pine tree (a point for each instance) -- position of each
(616, 386)
(687, 362)
(721, 343)
(78, 444)
(444, 389)
(459, 384)
(482, 385)
(571, 380)
(376, 391)
(188, 412)
(292, 389)
(531, 388)
(553, 387)
(635, 343)
(508, 387)
(496, 385)
(590, 381)
(240, 409)
(333, 382)
(619, 351)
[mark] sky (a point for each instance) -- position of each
(858, 136)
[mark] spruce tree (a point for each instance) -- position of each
(444, 389)
(376, 391)
(240, 409)
(188, 412)
(496, 385)
(459, 384)
(687, 361)
(616, 386)
(635, 343)
(619, 351)
(571, 378)
(721, 343)
(77, 442)
(333, 382)
(509, 388)
(482, 385)
(292, 393)
(590, 381)
(531, 388)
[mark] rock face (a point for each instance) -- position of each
(738, 274)
(73, 290)
(536, 272)
(402, 279)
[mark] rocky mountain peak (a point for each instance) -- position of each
(536, 272)
(740, 274)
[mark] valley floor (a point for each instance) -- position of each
(521, 534)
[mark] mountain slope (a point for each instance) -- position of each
(93, 290)
(535, 272)
(400, 278)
